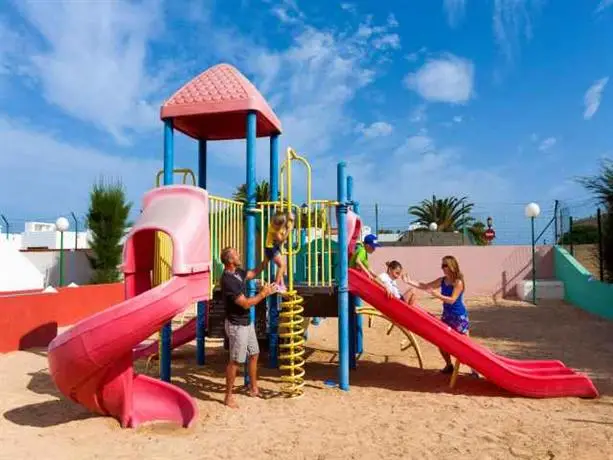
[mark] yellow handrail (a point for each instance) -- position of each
(292, 155)
(226, 228)
(185, 171)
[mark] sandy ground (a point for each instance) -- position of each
(394, 409)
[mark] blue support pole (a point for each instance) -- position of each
(352, 299)
(250, 212)
(168, 179)
(343, 279)
(202, 306)
(273, 311)
(359, 339)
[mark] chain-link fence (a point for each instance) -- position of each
(38, 232)
(17, 224)
(580, 224)
(508, 220)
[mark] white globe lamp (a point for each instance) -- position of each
(62, 224)
(532, 210)
(433, 226)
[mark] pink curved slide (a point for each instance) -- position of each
(91, 363)
(182, 335)
(538, 379)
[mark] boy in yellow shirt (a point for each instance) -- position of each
(279, 228)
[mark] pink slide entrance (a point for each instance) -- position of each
(538, 379)
(91, 363)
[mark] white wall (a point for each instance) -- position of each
(52, 239)
(12, 239)
(16, 271)
(76, 266)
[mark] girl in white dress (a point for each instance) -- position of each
(390, 278)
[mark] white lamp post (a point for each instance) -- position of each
(532, 212)
(433, 226)
(62, 224)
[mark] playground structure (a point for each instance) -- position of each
(171, 260)
(312, 251)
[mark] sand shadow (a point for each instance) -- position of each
(48, 413)
(198, 380)
(391, 375)
(395, 376)
(594, 422)
(41, 383)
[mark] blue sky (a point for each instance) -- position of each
(505, 101)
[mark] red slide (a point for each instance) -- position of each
(92, 363)
(182, 335)
(538, 379)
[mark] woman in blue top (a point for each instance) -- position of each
(455, 314)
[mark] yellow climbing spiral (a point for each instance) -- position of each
(291, 346)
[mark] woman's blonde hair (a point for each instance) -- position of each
(454, 269)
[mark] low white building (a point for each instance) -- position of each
(17, 272)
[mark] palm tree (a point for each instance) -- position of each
(451, 213)
(601, 186)
(477, 232)
(262, 192)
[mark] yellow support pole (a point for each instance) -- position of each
(293, 156)
(290, 318)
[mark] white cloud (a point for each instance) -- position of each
(414, 56)
(448, 79)
(392, 21)
(387, 41)
(376, 129)
(413, 174)
(455, 11)
(310, 84)
(93, 64)
(547, 144)
(288, 12)
(350, 7)
(603, 5)
(382, 38)
(534, 137)
(511, 20)
(11, 47)
(419, 144)
(64, 173)
(419, 115)
(593, 96)
(458, 119)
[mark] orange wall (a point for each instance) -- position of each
(31, 320)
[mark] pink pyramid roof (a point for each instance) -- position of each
(214, 105)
